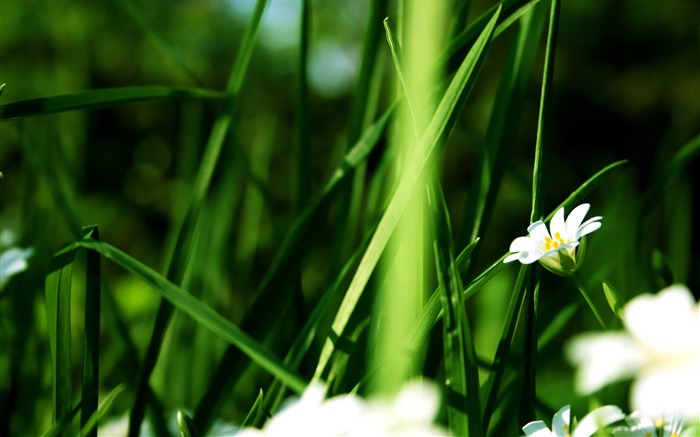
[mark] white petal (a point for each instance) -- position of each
(417, 403)
(561, 423)
(527, 251)
(602, 359)
(596, 419)
(575, 219)
(659, 392)
(557, 224)
(587, 228)
(511, 257)
(538, 233)
(522, 244)
(666, 324)
(537, 429)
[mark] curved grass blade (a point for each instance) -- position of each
(586, 188)
(271, 299)
(101, 98)
(200, 312)
(91, 348)
(441, 123)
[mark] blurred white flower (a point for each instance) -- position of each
(556, 249)
(410, 413)
(660, 347)
(639, 425)
(562, 427)
(13, 260)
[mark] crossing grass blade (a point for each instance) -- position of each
(491, 387)
(200, 312)
(312, 327)
(441, 123)
(184, 229)
(101, 98)
(91, 333)
(461, 370)
(58, 297)
(90, 426)
(503, 125)
(271, 298)
(432, 312)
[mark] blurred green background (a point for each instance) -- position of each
(627, 86)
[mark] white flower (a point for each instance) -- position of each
(562, 427)
(660, 347)
(410, 413)
(555, 249)
(642, 426)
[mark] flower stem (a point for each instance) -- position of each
(583, 291)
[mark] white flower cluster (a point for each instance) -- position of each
(637, 425)
(411, 413)
(659, 348)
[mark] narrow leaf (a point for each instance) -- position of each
(615, 301)
(101, 98)
(456, 93)
(91, 332)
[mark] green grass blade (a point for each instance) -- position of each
(177, 263)
(544, 117)
(663, 183)
(491, 387)
(58, 293)
(271, 297)
(101, 98)
(586, 188)
(511, 11)
(90, 426)
(441, 123)
(186, 425)
(302, 150)
(559, 322)
(199, 311)
(503, 125)
(147, 28)
(614, 299)
(461, 370)
(400, 66)
(91, 333)
(256, 415)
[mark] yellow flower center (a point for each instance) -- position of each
(550, 244)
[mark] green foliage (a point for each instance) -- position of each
(269, 169)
